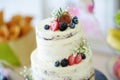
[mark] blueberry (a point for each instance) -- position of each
(72, 26)
(75, 17)
(63, 26)
(57, 63)
(83, 56)
(75, 21)
(64, 62)
(46, 27)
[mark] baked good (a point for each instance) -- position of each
(62, 53)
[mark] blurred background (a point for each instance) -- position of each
(104, 11)
(19, 17)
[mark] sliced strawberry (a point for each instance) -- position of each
(54, 26)
(78, 58)
(71, 59)
(56, 19)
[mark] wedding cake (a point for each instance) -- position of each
(62, 53)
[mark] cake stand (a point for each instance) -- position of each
(99, 75)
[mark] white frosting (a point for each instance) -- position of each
(53, 46)
(46, 71)
(56, 49)
(42, 33)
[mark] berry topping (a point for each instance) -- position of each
(71, 60)
(75, 17)
(54, 26)
(64, 62)
(72, 25)
(78, 58)
(63, 26)
(61, 21)
(65, 17)
(74, 20)
(56, 19)
(46, 27)
(83, 56)
(57, 63)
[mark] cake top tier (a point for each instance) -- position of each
(61, 21)
(61, 26)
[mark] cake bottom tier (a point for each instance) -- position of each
(44, 71)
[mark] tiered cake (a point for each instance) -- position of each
(62, 53)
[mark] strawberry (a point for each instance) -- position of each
(56, 19)
(71, 59)
(54, 26)
(78, 58)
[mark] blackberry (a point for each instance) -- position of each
(64, 62)
(83, 56)
(63, 26)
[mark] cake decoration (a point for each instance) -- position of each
(46, 27)
(71, 59)
(72, 26)
(77, 56)
(54, 26)
(63, 26)
(83, 56)
(62, 52)
(61, 21)
(64, 62)
(57, 63)
(75, 20)
(65, 17)
(57, 14)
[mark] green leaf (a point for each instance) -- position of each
(57, 13)
(7, 54)
(60, 9)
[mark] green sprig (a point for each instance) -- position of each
(57, 13)
(82, 47)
